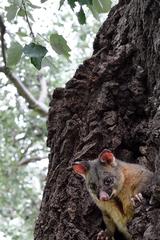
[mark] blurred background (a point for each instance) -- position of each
(63, 34)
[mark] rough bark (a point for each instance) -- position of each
(112, 101)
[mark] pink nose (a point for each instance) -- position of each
(103, 196)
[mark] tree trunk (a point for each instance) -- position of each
(112, 101)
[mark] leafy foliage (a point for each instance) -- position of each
(23, 9)
(19, 199)
(96, 7)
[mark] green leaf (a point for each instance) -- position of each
(83, 2)
(14, 54)
(106, 4)
(21, 12)
(81, 16)
(90, 2)
(72, 3)
(48, 62)
(36, 62)
(61, 3)
(21, 33)
(59, 44)
(42, 1)
(101, 6)
(32, 5)
(30, 16)
(18, 3)
(94, 12)
(36, 52)
(97, 5)
(11, 12)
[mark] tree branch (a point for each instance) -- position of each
(25, 151)
(25, 93)
(33, 159)
(3, 29)
(21, 88)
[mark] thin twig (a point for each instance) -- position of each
(25, 151)
(3, 30)
(27, 20)
(31, 160)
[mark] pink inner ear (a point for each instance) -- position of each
(79, 168)
(107, 156)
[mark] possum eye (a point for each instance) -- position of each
(108, 180)
(93, 186)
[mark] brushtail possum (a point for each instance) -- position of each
(114, 186)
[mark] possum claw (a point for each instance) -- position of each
(102, 235)
(138, 197)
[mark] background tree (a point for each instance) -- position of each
(112, 101)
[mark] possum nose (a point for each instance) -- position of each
(103, 196)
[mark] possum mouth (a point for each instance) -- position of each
(103, 196)
(107, 195)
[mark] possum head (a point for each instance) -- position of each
(103, 176)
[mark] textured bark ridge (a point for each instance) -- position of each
(112, 101)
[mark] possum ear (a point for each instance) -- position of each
(80, 167)
(106, 156)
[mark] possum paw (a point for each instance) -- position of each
(102, 235)
(138, 197)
